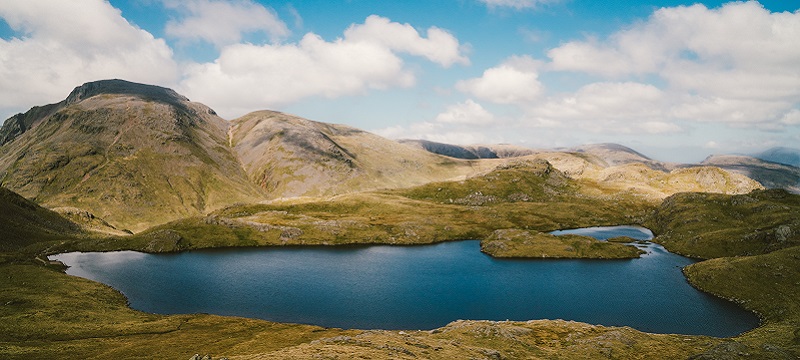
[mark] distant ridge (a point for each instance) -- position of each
(616, 154)
(471, 152)
(289, 156)
(781, 155)
(771, 175)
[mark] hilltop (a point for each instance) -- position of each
(771, 175)
(132, 154)
(288, 156)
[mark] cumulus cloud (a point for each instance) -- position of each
(462, 123)
(608, 107)
(439, 132)
(739, 61)
(468, 112)
(515, 81)
(440, 47)
(247, 76)
(58, 45)
(516, 4)
(223, 22)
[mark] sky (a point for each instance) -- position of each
(675, 80)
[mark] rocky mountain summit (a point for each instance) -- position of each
(132, 154)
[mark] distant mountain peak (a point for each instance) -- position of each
(781, 155)
(123, 87)
(610, 147)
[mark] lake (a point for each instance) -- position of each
(415, 287)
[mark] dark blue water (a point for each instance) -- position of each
(417, 287)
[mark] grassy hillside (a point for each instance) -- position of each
(135, 155)
(23, 223)
(523, 195)
(288, 156)
(47, 313)
(713, 225)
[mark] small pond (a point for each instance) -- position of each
(415, 287)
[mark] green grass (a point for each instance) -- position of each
(514, 243)
(24, 223)
(528, 195)
(45, 313)
(713, 225)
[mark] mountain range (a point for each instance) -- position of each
(137, 155)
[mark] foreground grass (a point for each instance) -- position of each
(47, 314)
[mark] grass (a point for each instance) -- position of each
(528, 244)
(713, 225)
(45, 313)
(527, 195)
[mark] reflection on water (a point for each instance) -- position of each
(607, 232)
(415, 287)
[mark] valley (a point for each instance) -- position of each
(125, 166)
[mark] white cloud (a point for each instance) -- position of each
(247, 77)
(440, 47)
(468, 112)
(60, 45)
(439, 132)
(626, 107)
(739, 112)
(223, 22)
(515, 81)
(516, 4)
(791, 118)
(739, 61)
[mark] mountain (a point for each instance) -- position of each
(289, 156)
(471, 152)
(770, 174)
(117, 156)
(134, 154)
(23, 222)
(615, 154)
(781, 155)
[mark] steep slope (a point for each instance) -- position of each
(289, 156)
(781, 155)
(135, 155)
(471, 152)
(770, 174)
(22, 222)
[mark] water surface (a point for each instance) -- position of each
(414, 287)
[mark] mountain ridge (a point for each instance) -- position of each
(138, 155)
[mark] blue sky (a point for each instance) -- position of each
(676, 80)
